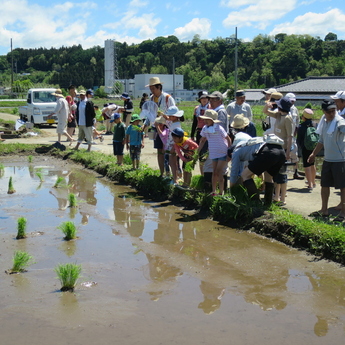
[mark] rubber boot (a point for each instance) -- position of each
(269, 187)
(252, 191)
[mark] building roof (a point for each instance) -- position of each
(326, 85)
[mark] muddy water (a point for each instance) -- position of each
(152, 274)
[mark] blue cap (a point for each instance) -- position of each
(179, 132)
(114, 117)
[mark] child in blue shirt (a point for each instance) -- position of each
(118, 137)
(135, 140)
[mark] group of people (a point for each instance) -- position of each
(219, 135)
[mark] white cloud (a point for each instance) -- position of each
(200, 26)
(259, 14)
(137, 3)
(315, 24)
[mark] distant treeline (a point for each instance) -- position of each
(206, 64)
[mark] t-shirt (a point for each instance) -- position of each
(119, 132)
(135, 135)
(217, 144)
(186, 149)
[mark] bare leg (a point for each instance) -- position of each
(160, 159)
(119, 159)
(342, 200)
(325, 191)
(277, 192)
(308, 175)
(283, 188)
(173, 165)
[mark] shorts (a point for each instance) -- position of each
(85, 132)
(305, 155)
(118, 148)
(157, 143)
(333, 174)
(134, 151)
(270, 158)
(280, 178)
(219, 159)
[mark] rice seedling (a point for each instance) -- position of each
(21, 227)
(30, 159)
(11, 190)
(72, 200)
(60, 180)
(21, 260)
(2, 167)
(68, 275)
(40, 176)
(69, 230)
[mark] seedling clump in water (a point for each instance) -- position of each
(21, 260)
(21, 226)
(68, 275)
(72, 200)
(59, 181)
(11, 190)
(69, 229)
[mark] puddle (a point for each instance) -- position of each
(148, 275)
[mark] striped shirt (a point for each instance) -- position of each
(217, 143)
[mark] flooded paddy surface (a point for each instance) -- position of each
(151, 273)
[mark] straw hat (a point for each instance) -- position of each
(161, 120)
(308, 113)
(240, 121)
(153, 81)
(210, 115)
(57, 93)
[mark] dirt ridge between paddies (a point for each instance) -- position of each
(320, 238)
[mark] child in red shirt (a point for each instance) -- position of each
(185, 149)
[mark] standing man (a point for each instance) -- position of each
(239, 106)
(216, 102)
(127, 109)
(332, 138)
(164, 101)
(85, 114)
(61, 111)
(339, 99)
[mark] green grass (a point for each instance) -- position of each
(69, 230)
(21, 260)
(11, 189)
(30, 158)
(12, 104)
(21, 227)
(72, 199)
(68, 275)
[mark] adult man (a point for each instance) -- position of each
(339, 99)
(61, 110)
(216, 102)
(164, 101)
(239, 106)
(332, 138)
(263, 157)
(85, 114)
(127, 109)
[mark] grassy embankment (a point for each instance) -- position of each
(317, 237)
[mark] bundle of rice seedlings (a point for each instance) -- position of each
(21, 260)
(40, 176)
(21, 226)
(11, 190)
(68, 275)
(59, 181)
(69, 229)
(72, 200)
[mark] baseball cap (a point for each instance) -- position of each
(179, 132)
(114, 117)
(328, 104)
(339, 95)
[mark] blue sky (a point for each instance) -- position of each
(41, 23)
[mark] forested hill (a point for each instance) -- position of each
(209, 64)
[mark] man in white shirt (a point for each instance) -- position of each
(239, 106)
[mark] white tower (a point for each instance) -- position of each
(110, 67)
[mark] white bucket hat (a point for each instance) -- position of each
(174, 111)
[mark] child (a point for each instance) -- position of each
(163, 132)
(135, 140)
(185, 149)
(118, 138)
(173, 116)
(99, 116)
(218, 143)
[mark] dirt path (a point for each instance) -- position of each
(299, 199)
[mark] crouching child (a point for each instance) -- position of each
(185, 149)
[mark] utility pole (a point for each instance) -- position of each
(236, 59)
(174, 96)
(12, 67)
